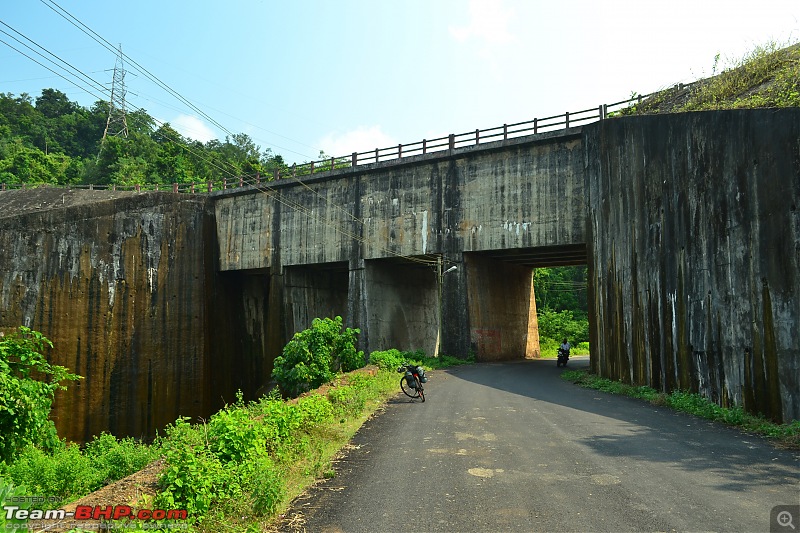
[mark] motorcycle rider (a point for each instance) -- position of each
(565, 346)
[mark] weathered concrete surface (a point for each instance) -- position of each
(520, 193)
(402, 306)
(169, 304)
(502, 309)
(695, 252)
(120, 287)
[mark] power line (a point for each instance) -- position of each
(264, 188)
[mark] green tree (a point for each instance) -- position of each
(25, 401)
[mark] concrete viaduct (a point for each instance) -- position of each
(688, 224)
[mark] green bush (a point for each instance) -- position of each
(194, 478)
(116, 459)
(25, 399)
(314, 355)
(558, 325)
(13, 495)
(62, 476)
(387, 359)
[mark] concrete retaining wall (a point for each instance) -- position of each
(695, 246)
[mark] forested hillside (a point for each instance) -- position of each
(51, 140)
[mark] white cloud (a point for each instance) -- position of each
(361, 139)
(193, 128)
(488, 21)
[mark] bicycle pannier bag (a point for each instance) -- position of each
(410, 380)
(421, 372)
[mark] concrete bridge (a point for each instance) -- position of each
(688, 224)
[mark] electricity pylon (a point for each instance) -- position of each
(117, 123)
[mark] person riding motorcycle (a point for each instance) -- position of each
(563, 353)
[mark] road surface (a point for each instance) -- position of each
(512, 447)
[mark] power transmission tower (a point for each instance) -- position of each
(117, 123)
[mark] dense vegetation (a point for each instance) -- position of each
(55, 141)
(238, 469)
(561, 308)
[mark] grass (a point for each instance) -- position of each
(767, 76)
(240, 469)
(786, 435)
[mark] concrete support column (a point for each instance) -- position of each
(502, 309)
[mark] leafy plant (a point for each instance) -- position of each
(314, 355)
(25, 401)
(12, 495)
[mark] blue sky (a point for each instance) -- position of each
(302, 76)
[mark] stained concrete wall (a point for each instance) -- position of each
(122, 289)
(695, 254)
(402, 306)
(502, 309)
(496, 196)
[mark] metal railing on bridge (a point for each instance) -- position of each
(425, 146)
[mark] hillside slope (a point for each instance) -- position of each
(769, 76)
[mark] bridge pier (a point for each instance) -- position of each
(502, 309)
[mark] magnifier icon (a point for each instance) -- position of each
(785, 519)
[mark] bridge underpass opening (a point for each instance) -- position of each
(501, 299)
(314, 291)
(402, 304)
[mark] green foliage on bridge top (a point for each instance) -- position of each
(767, 76)
(27, 386)
(315, 355)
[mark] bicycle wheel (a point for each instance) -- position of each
(420, 389)
(411, 393)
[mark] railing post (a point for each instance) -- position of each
(241, 181)
(600, 112)
(224, 183)
(312, 167)
(156, 187)
(355, 159)
(137, 187)
(209, 186)
(377, 154)
(174, 187)
(91, 186)
(505, 132)
(3, 187)
(277, 174)
(477, 136)
(451, 141)
(424, 146)
(294, 170)
(535, 126)
(113, 186)
(258, 178)
(566, 120)
(399, 151)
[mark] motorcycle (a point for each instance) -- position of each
(563, 357)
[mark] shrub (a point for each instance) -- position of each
(25, 401)
(194, 478)
(387, 359)
(314, 355)
(115, 459)
(64, 475)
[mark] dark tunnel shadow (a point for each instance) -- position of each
(661, 435)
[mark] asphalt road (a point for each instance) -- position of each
(511, 447)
